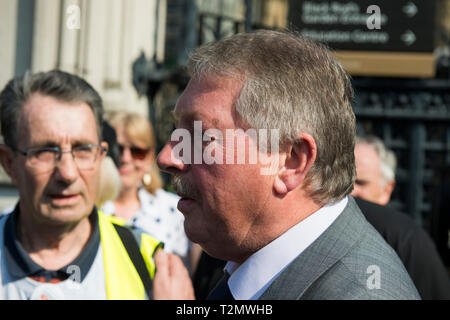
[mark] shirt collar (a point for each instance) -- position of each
(20, 265)
(250, 279)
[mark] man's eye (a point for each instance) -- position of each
(83, 148)
(208, 138)
(43, 153)
(360, 182)
(83, 151)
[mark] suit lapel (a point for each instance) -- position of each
(323, 253)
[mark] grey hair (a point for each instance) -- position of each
(295, 85)
(388, 161)
(57, 84)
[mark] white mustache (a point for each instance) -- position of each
(184, 188)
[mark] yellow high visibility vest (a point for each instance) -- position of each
(122, 280)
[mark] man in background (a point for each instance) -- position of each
(375, 181)
(375, 170)
(56, 244)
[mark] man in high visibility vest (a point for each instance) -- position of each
(56, 244)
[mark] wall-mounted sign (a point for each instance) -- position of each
(377, 38)
(382, 25)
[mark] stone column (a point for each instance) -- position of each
(45, 35)
(8, 26)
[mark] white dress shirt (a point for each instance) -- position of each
(249, 280)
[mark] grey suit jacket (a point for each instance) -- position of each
(350, 260)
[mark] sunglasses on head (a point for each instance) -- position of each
(136, 152)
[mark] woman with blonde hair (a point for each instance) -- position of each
(141, 201)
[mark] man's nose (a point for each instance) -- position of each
(168, 161)
(67, 168)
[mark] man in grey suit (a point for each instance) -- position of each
(284, 222)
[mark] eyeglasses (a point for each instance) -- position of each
(136, 152)
(45, 158)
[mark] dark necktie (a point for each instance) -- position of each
(221, 291)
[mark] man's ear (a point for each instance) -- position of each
(386, 193)
(300, 157)
(7, 161)
(104, 144)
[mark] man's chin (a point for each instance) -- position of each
(65, 214)
(195, 238)
(196, 233)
